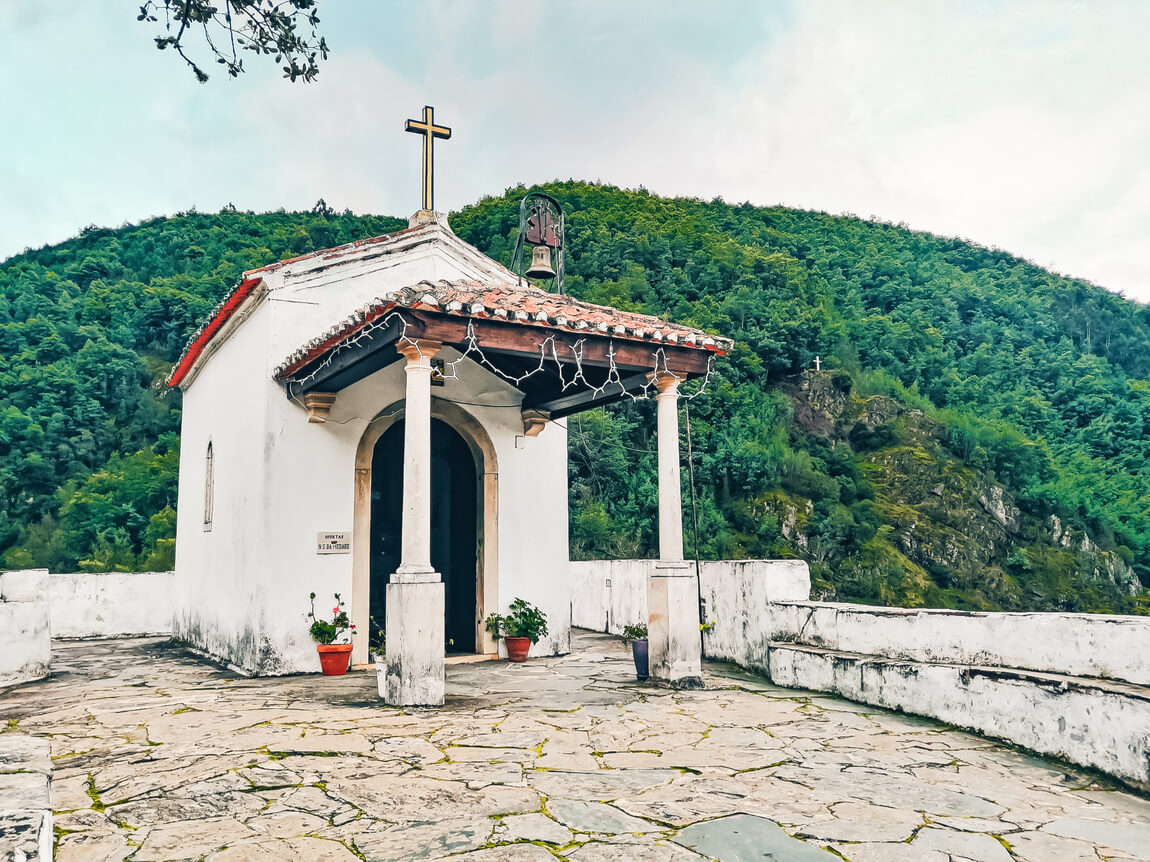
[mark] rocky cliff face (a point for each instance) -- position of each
(960, 536)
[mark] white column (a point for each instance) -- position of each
(670, 484)
(415, 545)
(672, 588)
(415, 597)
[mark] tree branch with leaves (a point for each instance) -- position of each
(287, 29)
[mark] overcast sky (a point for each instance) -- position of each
(1021, 125)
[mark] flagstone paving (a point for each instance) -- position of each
(158, 755)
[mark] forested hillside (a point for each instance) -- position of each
(89, 445)
(978, 435)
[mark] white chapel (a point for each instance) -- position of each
(384, 420)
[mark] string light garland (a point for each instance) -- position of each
(548, 352)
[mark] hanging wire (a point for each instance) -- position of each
(548, 353)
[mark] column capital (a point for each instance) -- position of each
(319, 406)
(415, 350)
(534, 421)
(666, 382)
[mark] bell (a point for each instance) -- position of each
(540, 263)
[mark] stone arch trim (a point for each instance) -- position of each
(487, 552)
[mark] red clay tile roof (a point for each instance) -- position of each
(498, 296)
(527, 305)
(219, 317)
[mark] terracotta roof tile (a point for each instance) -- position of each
(526, 304)
(220, 315)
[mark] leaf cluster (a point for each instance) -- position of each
(285, 29)
(523, 620)
(326, 631)
(634, 632)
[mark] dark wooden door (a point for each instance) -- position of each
(454, 527)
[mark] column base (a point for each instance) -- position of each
(414, 634)
(676, 653)
(415, 575)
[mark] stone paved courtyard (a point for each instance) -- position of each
(160, 756)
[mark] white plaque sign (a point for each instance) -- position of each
(333, 543)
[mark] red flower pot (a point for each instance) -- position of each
(517, 648)
(334, 658)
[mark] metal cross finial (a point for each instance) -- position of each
(818, 364)
(430, 132)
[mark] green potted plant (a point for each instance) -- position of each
(635, 635)
(523, 626)
(334, 658)
(377, 641)
(377, 653)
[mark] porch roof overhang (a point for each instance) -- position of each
(564, 355)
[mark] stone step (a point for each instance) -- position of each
(25, 798)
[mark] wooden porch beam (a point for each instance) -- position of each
(585, 399)
(522, 341)
(525, 339)
(374, 351)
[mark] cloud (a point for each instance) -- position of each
(1019, 125)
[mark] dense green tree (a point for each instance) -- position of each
(88, 330)
(981, 437)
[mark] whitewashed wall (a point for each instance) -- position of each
(110, 604)
(242, 588)
(244, 585)
(607, 595)
(1111, 647)
(25, 798)
(25, 641)
(219, 591)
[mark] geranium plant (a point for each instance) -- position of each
(523, 620)
(325, 632)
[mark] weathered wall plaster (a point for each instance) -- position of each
(607, 595)
(1111, 647)
(1098, 724)
(110, 604)
(25, 641)
(740, 596)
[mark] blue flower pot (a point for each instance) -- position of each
(639, 653)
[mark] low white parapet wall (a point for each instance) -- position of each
(1075, 686)
(110, 604)
(25, 641)
(1109, 647)
(607, 595)
(1104, 725)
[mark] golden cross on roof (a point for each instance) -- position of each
(430, 132)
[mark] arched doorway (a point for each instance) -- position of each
(455, 494)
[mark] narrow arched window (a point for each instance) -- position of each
(209, 485)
